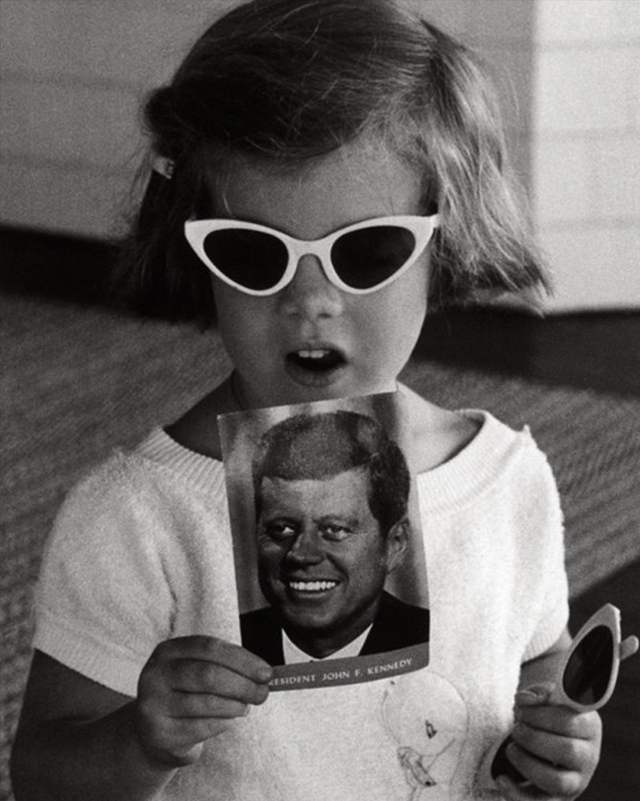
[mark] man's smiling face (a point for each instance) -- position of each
(322, 558)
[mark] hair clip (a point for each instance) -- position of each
(163, 166)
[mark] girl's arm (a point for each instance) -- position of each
(79, 740)
(72, 734)
(555, 748)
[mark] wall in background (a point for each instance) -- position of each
(74, 73)
(585, 150)
(568, 72)
(502, 33)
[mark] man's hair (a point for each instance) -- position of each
(319, 446)
(285, 82)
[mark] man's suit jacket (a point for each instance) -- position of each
(396, 625)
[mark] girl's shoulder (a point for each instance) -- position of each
(442, 434)
(459, 456)
(156, 473)
(470, 441)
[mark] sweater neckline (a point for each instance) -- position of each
(476, 467)
(454, 481)
(203, 472)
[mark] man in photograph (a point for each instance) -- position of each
(331, 496)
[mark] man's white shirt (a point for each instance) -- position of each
(293, 654)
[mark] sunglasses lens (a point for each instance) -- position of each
(588, 673)
(253, 259)
(369, 256)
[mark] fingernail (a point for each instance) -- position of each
(532, 695)
(527, 697)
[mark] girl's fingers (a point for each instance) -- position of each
(568, 753)
(510, 791)
(560, 720)
(180, 741)
(196, 676)
(198, 730)
(553, 746)
(547, 778)
(216, 651)
(193, 708)
(534, 695)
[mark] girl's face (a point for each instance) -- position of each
(313, 341)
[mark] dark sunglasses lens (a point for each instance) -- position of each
(253, 259)
(368, 257)
(588, 672)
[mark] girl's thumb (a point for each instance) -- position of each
(535, 694)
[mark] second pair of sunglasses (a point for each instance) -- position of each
(360, 258)
(586, 678)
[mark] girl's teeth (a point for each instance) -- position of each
(312, 586)
(313, 354)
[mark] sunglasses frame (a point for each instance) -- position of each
(608, 616)
(421, 227)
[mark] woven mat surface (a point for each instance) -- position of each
(74, 383)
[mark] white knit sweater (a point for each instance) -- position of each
(141, 552)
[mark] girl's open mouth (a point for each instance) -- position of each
(315, 360)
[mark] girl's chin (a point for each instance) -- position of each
(300, 386)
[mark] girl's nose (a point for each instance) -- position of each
(306, 548)
(310, 294)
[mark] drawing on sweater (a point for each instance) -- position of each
(427, 720)
(328, 549)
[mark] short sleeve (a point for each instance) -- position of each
(102, 602)
(543, 548)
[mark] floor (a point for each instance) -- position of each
(598, 351)
(601, 352)
(618, 775)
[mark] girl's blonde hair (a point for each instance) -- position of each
(288, 81)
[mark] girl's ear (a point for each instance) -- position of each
(397, 543)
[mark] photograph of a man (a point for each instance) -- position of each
(331, 496)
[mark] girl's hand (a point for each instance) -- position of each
(191, 689)
(555, 748)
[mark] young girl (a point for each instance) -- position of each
(322, 171)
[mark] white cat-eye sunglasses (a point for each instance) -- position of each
(360, 258)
